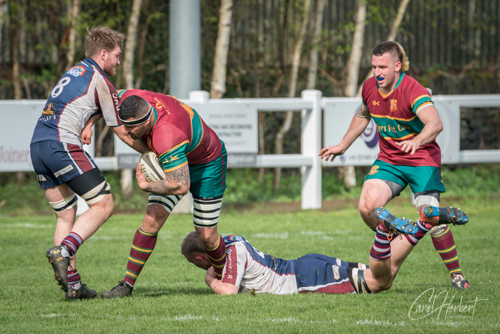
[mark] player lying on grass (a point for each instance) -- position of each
(248, 269)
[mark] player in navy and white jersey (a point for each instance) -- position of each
(81, 97)
(248, 269)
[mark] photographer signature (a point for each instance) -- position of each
(427, 304)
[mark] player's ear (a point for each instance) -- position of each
(397, 66)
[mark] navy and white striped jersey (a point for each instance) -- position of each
(250, 268)
(246, 267)
(82, 92)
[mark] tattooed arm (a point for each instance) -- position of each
(358, 125)
(176, 182)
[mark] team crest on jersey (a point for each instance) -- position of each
(49, 109)
(394, 105)
(76, 71)
(374, 170)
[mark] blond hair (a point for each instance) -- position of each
(102, 38)
(396, 49)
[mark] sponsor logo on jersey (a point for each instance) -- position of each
(76, 71)
(376, 103)
(49, 109)
(116, 100)
(394, 105)
(336, 273)
(159, 104)
(374, 170)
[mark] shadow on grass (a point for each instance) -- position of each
(160, 292)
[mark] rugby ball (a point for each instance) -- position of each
(152, 167)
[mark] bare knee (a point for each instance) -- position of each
(66, 216)
(105, 206)
(366, 210)
(367, 213)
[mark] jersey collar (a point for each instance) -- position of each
(397, 85)
(93, 62)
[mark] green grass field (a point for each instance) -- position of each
(171, 297)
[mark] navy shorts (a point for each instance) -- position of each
(56, 163)
(321, 273)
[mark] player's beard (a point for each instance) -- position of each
(109, 69)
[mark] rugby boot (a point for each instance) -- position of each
(459, 282)
(395, 224)
(437, 216)
(60, 265)
(121, 290)
(82, 293)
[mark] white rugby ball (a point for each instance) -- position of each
(152, 167)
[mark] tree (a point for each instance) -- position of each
(218, 84)
(287, 123)
(15, 10)
(313, 58)
(73, 13)
(128, 74)
(348, 173)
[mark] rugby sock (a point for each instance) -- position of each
(445, 245)
(217, 256)
(74, 279)
(423, 228)
(72, 242)
(142, 247)
(381, 248)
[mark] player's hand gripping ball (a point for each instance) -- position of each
(152, 167)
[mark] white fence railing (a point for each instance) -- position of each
(235, 120)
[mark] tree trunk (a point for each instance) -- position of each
(278, 147)
(218, 84)
(14, 50)
(392, 35)
(313, 63)
(128, 75)
(2, 20)
(142, 44)
(348, 172)
(74, 12)
(128, 63)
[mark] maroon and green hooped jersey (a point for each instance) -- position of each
(396, 117)
(179, 136)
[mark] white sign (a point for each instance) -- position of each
(236, 125)
(18, 122)
(338, 114)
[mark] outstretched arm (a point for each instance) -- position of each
(433, 127)
(176, 182)
(217, 286)
(358, 125)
